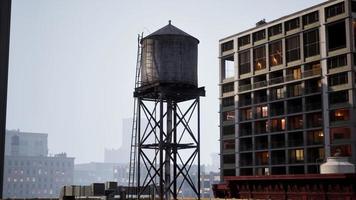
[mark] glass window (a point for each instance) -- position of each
(311, 43)
(339, 97)
(292, 48)
(259, 35)
(229, 130)
(277, 93)
(334, 10)
(338, 79)
(337, 61)
(278, 125)
(228, 101)
(226, 46)
(228, 144)
(259, 57)
(295, 122)
(296, 155)
(262, 111)
(340, 133)
(294, 90)
(310, 18)
(292, 24)
(336, 34)
(275, 53)
(275, 30)
(228, 67)
(315, 137)
(339, 115)
(244, 62)
(244, 40)
(228, 87)
(246, 114)
(229, 116)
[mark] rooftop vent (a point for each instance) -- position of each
(337, 165)
(261, 22)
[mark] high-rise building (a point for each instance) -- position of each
(287, 92)
(28, 170)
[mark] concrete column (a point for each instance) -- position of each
(324, 81)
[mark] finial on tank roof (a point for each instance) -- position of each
(169, 22)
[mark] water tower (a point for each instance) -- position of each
(167, 96)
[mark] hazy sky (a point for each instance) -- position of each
(72, 63)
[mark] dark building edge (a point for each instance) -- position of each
(5, 15)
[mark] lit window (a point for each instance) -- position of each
(299, 154)
(229, 116)
(275, 53)
(259, 57)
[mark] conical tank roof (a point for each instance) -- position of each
(171, 31)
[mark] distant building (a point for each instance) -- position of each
(121, 174)
(87, 173)
(26, 143)
(122, 154)
(29, 172)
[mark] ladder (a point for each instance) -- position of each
(134, 130)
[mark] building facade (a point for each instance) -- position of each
(28, 170)
(287, 92)
(26, 143)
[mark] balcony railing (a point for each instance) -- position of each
(260, 84)
(311, 72)
(276, 80)
(244, 87)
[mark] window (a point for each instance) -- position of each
(339, 115)
(229, 116)
(229, 159)
(295, 122)
(296, 155)
(262, 158)
(294, 74)
(292, 48)
(229, 130)
(353, 6)
(315, 137)
(310, 18)
(228, 101)
(277, 93)
(227, 46)
(334, 10)
(278, 125)
(339, 97)
(228, 144)
(228, 67)
(228, 87)
(262, 111)
(259, 35)
(337, 61)
(261, 127)
(275, 53)
(259, 57)
(246, 114)
(336, 34)
(338, 79)
(311, 43)
(244, 62)
(292, 24)
(275, 30)
(340, 133)
(294, 90)
(314, 120)
(244, 40)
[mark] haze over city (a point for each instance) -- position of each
(72, 64)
